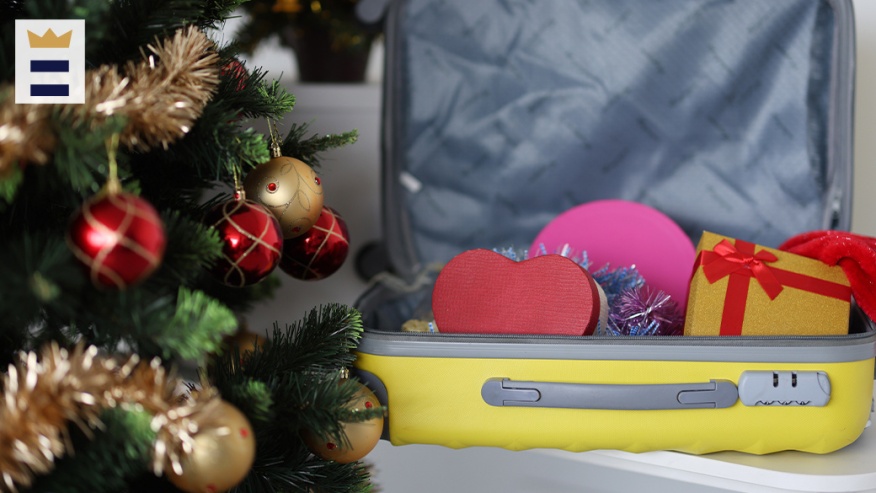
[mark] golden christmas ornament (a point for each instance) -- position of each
(287, 6)
(218, 456)
(245, 341)
(289, 188)
(361, 436)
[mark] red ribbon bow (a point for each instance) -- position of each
(726, 259)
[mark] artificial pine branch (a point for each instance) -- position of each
(135, 23)
(308, 149)
(117, 453)
(39, 277)
(9, 185)
(236, 299)
(300, 367)
(276, 101)
(321, 341)
(80, 151)
(192, 247)
(196, 326)
(210, 150)
(252, 397)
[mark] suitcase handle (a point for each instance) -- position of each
(506, 392)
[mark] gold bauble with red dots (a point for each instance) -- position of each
(362, 436)
(222, 453)
(290, 189)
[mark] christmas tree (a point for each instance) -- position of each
(135, 230)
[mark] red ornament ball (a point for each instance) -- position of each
(320, 251)
(119, 237)
(251, 242)
(235, 71)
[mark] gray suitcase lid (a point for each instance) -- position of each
(499, 115)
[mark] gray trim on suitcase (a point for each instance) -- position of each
(840, 126)
(834, 349)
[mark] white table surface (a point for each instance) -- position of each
(426, 469)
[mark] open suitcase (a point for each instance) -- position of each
(733, 117)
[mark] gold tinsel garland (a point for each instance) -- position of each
(44, 393)
(160, 97)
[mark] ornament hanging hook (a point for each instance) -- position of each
(239, 194)
(275, 138)
(112, 182)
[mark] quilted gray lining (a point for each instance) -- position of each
(731, 116)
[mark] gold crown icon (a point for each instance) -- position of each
(49, 39)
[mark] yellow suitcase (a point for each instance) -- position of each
(692, 394)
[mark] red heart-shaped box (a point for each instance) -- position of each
(484, 292)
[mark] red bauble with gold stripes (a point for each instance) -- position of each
(251, 241)
(320, 251)
(119, 238)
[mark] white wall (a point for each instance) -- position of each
(864, 210)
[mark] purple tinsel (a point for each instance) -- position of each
(642, 311)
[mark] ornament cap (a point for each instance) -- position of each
(113, 186)
(275, 149)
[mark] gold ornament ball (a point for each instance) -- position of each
(222, 455)
(245, 341)
(290, 189)
(362, 436)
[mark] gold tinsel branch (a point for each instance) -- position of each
(160, 97)
(43, 394)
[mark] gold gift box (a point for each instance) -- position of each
(740, 288)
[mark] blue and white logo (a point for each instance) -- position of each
(50, 61)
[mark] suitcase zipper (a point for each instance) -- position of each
(770, 341)
(772, 349)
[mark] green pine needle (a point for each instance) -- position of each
(118, 453)
(281, 100)
(39, 274)
(239, 299)
(9, 185)
(322, 341)
(308, 149)
(81, 153)
(197, 326)
(253, 398)
(192, 247)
